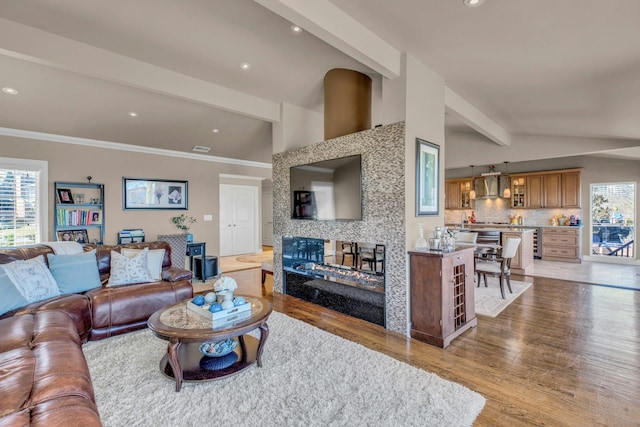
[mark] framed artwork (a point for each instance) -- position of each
(427, 173)
(66, 236)
(65, 196)
(81, 236)
(144, 193)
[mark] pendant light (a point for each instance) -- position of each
(472, 193)
(507, 190)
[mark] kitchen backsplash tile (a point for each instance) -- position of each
(497, 210)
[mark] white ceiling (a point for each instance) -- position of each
(542, 67)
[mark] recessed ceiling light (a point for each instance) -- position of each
(296, 29)
(215, 130)
(133, 114)
(473, 3)
(9, 91)
(245, 66)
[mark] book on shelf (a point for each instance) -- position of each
(71, 217)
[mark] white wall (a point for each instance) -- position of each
(72, 163)
(425, 107)
(297, 127)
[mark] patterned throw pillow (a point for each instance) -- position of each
(32, 279)
(125, 271)
(154, 260)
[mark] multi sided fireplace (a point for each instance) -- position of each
(313, 274)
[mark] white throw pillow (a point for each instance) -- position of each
(154, 260)
(125, 271)
(32, 279)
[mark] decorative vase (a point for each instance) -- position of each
(421, 243)
(224, 296)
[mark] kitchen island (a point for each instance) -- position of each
(523, 261)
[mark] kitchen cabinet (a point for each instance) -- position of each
(562, 244)
(571, 190)
(452, 194)
(546, 189)
(551, 185)
(442, 295)
(518, 192)
(534, 191)
(458, 194)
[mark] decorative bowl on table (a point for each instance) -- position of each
(218, 348)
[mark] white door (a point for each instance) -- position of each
(238, 219)
(267, 219)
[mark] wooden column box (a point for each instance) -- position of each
(442, 295)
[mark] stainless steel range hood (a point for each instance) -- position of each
(491, 186)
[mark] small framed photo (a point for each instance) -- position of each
(65, 196)
(95, 217)
(66, 236)
(81, 236)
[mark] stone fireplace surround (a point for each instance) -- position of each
(383, 207)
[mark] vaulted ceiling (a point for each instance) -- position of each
(543, 67)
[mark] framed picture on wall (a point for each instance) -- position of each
(144, 193)
(427, 173)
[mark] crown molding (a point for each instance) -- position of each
(252, 178)
(20, 133)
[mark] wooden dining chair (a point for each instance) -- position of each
(372, 255)
(501, 266)
(348, 248)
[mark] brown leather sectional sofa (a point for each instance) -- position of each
(44, 379)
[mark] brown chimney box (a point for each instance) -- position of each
(347, 102)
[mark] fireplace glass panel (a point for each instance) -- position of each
(313, 271)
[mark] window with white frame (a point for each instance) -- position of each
(23, 201)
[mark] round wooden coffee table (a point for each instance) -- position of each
(186, 331)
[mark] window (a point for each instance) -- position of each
(23, 202)
(613, 209)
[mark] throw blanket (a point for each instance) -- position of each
(65, 248)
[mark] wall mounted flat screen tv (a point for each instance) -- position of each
(327, 190)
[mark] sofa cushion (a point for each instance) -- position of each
(11, 297)
(75, 273)
(155, 258)
(45, 378)
(126, 271)
(32, 279)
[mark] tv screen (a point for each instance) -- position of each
(327, 190)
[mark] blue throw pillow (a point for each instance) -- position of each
(11, 297)
(75, 273)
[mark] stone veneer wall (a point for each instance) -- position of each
(383, 207)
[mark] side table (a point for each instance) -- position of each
(197, 249)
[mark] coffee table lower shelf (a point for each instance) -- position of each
(190, 359)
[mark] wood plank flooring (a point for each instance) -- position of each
(563, 354)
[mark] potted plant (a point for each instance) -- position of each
(183, 223)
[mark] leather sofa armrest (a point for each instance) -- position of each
(176, 274)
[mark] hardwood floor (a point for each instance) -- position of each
(561, 354)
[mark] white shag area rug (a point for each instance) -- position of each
(489, 301)
(309, 378)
